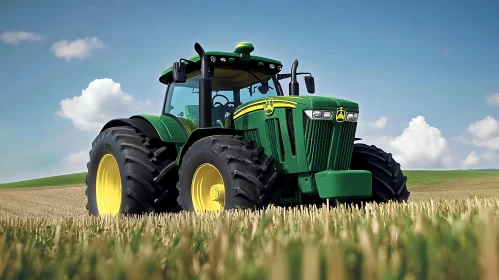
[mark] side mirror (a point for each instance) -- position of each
(263, 89)
(310, 83)
(179, 75)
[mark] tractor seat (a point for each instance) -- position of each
(192, 113)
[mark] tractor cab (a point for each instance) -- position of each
(235, 78)
(231, 88)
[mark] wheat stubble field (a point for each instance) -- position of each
(449, 230)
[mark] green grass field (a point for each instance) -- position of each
(63, 180)
(415, 177)
(424, 177)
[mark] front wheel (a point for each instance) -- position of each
(225, 172)
(388, 181)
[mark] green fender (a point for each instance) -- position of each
(168, 128)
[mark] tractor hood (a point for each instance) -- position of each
(295, 102)
(298, 134)
(320, 102)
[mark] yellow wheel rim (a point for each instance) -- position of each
(108, 186)
(207, 189)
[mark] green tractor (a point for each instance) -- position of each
(228, 137)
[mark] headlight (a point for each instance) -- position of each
(352, 117)
(319, 114)
(328, 115)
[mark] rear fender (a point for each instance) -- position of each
(166, 127)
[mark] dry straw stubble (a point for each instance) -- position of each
(446, 239)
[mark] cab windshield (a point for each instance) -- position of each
(230, 88)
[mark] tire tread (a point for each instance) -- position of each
(249, 169)
(143, 184)
(389, 182)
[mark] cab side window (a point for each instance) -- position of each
(183, 101)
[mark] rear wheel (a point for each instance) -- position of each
(225, 172)
(388, 180)
(129, 173)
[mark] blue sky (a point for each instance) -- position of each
(399, 60)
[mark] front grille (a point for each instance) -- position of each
(345, 146)
(318, 136)
(254, 136)
(274, 133)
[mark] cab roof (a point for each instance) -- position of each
(240, 58)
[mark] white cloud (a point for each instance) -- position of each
(14, 37)
(492, 99)
(76, 162)
(484, 128)
(378, 124)
(484, 133)
(420, 146)
(471, 160)
(491, 143)
(100, 102)
(79, 48)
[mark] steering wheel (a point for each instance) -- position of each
(220, 104)
(220, 109)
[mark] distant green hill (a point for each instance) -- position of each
(62, 180)
(429, 177)
(420, 177)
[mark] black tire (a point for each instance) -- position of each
(388, 180)
(147, 168)
(248, 173)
